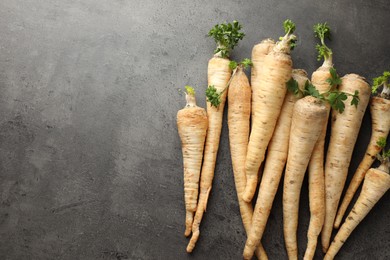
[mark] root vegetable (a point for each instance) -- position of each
(259, 52)
(380, 116)
(308, 118)
(269, 89)
(239, 107)
(316, 165)
(192, 126)
(219, 73)
(345, 129)
(376, 183)
(274, 166)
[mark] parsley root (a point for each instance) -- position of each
(307, 122)
(259, 52)
(375, 185)
(274, 166)
(269, 90)
(226, 36)
(192, 126)
(239, 109)
(345, 129)
(380, 116)
(320, 79)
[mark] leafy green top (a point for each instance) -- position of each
(289, 26)
(382, 81)
(245, 63)
(381, 142)
(226, 35)
(288, 38)
(334, 97)
(212, 94)
(322, 31)
(190, 90)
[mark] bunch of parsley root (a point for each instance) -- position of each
(280, 119)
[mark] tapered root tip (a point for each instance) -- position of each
(192, 243)
(250, 190)
(337, 222)
(188, 231)
(189, 221)
(247, 197)
(248, 253)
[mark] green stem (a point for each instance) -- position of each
(284, 44)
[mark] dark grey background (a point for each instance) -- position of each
(90, 159)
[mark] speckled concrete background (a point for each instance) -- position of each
(90, 161)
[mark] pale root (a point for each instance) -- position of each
(274, 166)
(375, 185)
(268, 92)
(345, 129)
(380, 118)
(239, 110)
(259, 52)
(192, 126)
(316, 170)
(307, 121)
(218, 75)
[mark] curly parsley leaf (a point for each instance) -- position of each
(233, 64)
(227, 36)
(190, 90)
(322, 51)
(246, 63)
(379, 81)
(293, 43)
(322, 31)
(381, 142)
(289, 26)
(213, 96)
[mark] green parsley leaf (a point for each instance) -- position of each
(322, 31)
(355, 99)
(334, 80)
(336, 100)
(226, 36)
(310, 90)
(292, 86)
(213, 96)
(233, 64)
(190, 90)
(246, 63)
(289, 26)
(381, 142)
(379, 81)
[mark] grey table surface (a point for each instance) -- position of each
(90, 159)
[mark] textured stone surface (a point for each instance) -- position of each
(90, 160)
